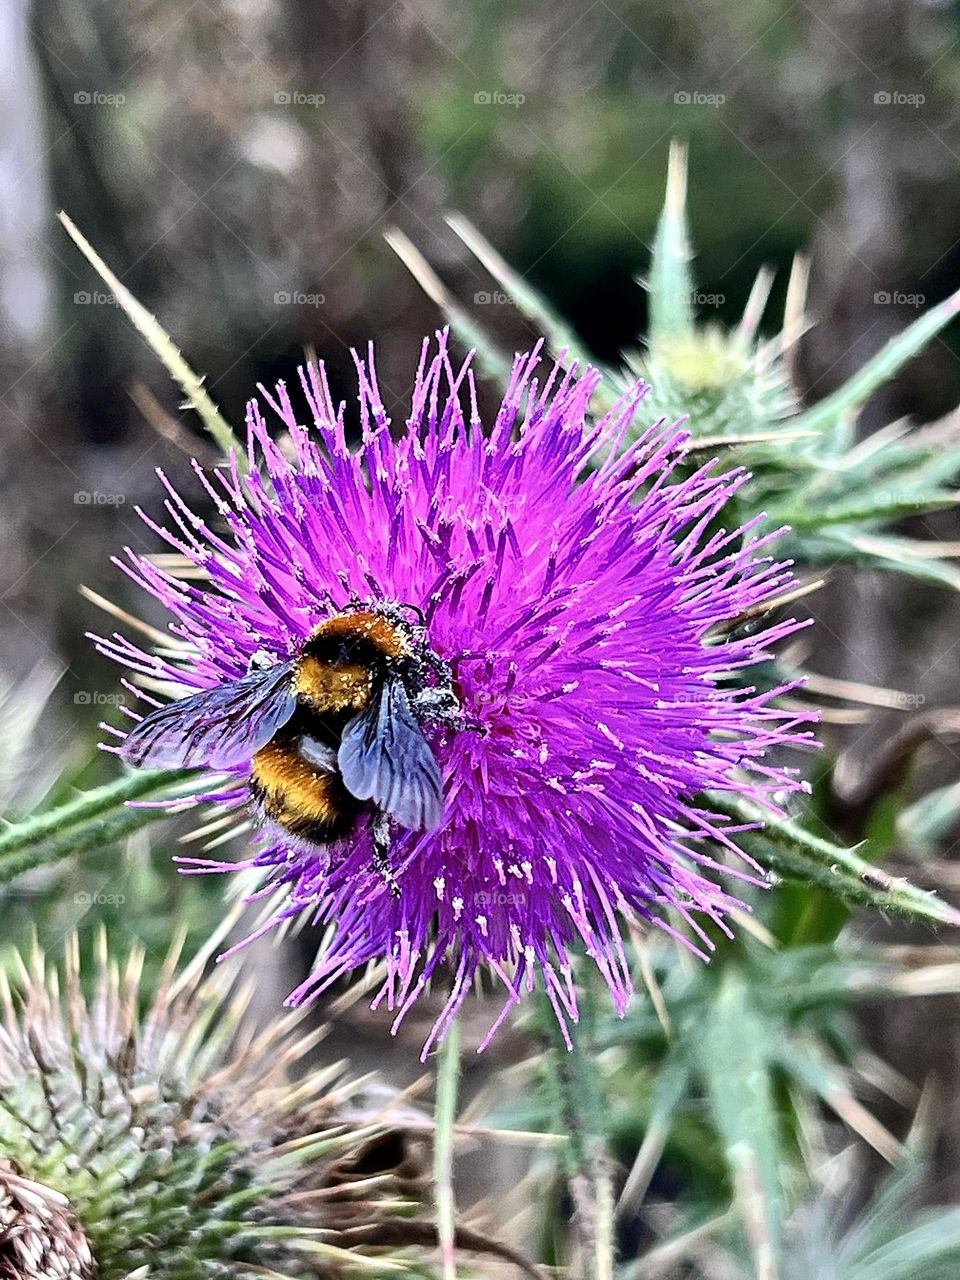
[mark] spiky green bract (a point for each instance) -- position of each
(176, 1138)
(810, 471)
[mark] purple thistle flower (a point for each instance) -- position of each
(575, 585)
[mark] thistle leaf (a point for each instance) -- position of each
(866, 511)
(875, 550)
(96, 817)
(854, 393)
(735, 1063)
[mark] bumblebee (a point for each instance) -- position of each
(331, 734)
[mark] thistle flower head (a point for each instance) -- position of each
(577, 589)
(155, 1136)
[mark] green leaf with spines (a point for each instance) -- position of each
(864, 512)
(734, 1060)
(94, 818)
(847, 400)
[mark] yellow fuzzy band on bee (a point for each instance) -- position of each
(332, 686)
(293, 792)
(390, 639)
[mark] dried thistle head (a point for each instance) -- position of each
(39, 1236)
(158, 1136)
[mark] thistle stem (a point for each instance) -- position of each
(791, 850)
(94, 817)
(605, 1216)
(581, 1108)
(448, 1078)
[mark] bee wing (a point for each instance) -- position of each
(217, 727)
(384, 757)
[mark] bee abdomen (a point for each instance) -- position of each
(305, 800)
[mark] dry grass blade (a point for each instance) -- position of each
(162, 346)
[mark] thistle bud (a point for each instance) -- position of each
(158, 1136)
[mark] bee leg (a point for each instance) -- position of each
(381, 852)
(437, 665)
